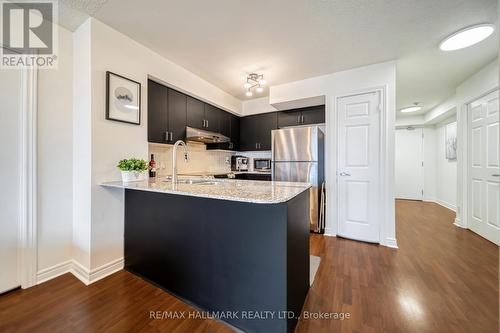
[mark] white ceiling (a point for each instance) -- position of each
(223, 40)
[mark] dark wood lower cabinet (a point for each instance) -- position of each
(254, 176)
(252, 258)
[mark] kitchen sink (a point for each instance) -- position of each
(196, 181)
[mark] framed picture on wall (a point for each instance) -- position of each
(123, 99)
(451, 141)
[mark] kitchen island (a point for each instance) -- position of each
(234, 248)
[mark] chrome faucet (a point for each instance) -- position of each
(174, 159)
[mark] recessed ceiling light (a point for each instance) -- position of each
(467, 37)
(413, 108)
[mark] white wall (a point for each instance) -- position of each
(82, 142)
(339, 84)
(430, 165)
(446, 170)
(55, 159)
(257, 105)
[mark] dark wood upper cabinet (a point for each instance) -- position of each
(170, 111)
(313, 115)
(225, 123)
(255, 131)
(303, 116)
(289, 118)
(195, 113)
(235, 132)
(177, 104)
(157, 112)
(212, 116)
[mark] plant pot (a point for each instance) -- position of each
(134, 176)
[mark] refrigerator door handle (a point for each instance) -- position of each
(344, 174)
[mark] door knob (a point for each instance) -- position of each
(344, 174)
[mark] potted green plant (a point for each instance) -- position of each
(133, 169)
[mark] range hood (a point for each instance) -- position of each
(199, 135)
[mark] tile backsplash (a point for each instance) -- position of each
(201, 160)
(254, 154)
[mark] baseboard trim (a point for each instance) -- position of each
(446, 205)
(390, 242)
(330, 232)
(105, 270)
(79, 271)
(53, 271)
(458, 223)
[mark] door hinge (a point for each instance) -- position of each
(422, 193)
(422, 163)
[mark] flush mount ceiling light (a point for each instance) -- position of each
(467, 37)
(414, 108)
(254, 81)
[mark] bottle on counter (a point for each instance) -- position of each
(152, 167)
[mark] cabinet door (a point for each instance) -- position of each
(225, 123)
(289, 118)
(176, 115)
(248, 133)
(235, 132)
(157, 112)
(212, 116)
(265, 123)
(313, 115)
(195, 112)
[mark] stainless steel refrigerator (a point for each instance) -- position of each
(298, 156)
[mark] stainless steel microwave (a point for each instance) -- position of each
(262, 164)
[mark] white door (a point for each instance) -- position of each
(358, 166)
(409, 164)
(484, 162)
(10, 110)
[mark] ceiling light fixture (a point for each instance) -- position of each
(467, 37)
(410, 109)
(254, 81)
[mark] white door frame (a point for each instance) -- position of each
(27, 242)
(386, 200)
(462, 218)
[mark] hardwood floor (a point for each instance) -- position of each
(441, 279)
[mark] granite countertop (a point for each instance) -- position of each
(267, 192)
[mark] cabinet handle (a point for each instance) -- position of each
(256, 146)
(171, 136)
(231, 145)
(298, 119)
(165, 136)
(207, 123)
(302, 119)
